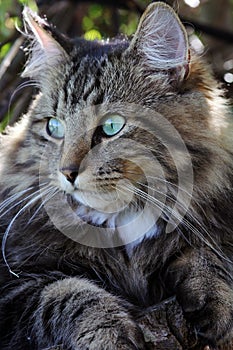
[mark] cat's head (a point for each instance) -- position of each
(121, 126)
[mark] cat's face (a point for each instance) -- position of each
(111, 128)
(104, 137)
(106, 158)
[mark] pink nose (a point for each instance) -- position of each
(70, 174)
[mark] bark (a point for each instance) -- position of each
(165, 328)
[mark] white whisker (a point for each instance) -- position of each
(52, 193)
(22, 200)
(170, 212)
(6, 233)
(30, 83)
(190, 226)
(179, 188)
(12, 198)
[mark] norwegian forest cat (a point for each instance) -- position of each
(116, 191)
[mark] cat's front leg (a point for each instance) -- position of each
(203, 284)
(79, 315)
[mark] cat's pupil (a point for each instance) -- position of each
(112, 125)
(55, 128)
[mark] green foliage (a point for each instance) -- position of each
(6, 24)
(10, 13)
(29, 3)
(92, 34)
(128, 22)
(99, 21)
(4, 50)
(3, 124)
(95, 11)
(10, 20)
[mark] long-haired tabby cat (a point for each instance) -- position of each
(116, 191)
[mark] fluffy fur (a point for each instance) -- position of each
(96, 228)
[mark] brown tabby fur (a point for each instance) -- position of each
(89, 297)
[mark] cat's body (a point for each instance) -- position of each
(72, 291)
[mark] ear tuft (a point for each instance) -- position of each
(161, 39)
(45, 51)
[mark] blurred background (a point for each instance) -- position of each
(209, 24)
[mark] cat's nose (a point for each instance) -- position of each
(70, 174)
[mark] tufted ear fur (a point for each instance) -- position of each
(46, 52)
(161, 40)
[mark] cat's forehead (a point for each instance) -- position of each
(100, 75)
(97, 49)
(95, 73)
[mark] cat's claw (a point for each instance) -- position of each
(212, 316)
(112, 339)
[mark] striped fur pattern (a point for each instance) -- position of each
(57, 291)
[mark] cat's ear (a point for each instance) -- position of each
(161, 40)
(45, 51)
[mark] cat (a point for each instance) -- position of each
(116, 191)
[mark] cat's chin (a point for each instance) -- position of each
(131, 225)
(96, 209)
(105, 202)
(96, 218)
(108, 201)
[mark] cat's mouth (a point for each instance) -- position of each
(106, 199)
(107, 202)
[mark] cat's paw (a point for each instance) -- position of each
(210, 311)
(82, 316)
(113, 332)
(107, 325)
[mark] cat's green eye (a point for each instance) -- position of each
(55, 128)
(113, 124)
